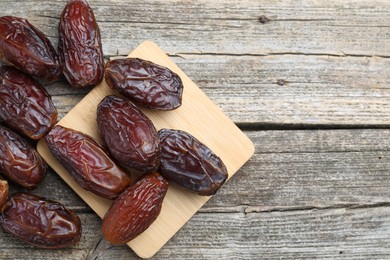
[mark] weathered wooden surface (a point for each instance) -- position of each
(270, 65)
(302, 63)
(304, 193)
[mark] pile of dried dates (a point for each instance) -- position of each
(131, 141)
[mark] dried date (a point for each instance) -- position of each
(129, 134)
(19, 162)
(135, 209)
(3, 193)
(87, 162)
(25, 106)
(145, 83)
(25, 47)
(189, 163)
(40, 222)
(80, 45)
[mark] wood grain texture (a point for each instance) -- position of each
(304, 27)
(318, 193)
(330, 233)
(277, 90)
(331, 168)
(277, 64)
(311, 169)
(300, 176)
(313, 62)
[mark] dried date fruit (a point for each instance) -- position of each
(129, 134)
(3, 193)
(19, 162)
(25, 106)
(135, 209)
(40, 222)
(87, 162)
(25, 47)
(145, 83)
(80, 45)
(189, 163)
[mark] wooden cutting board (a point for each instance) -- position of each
(198, 115)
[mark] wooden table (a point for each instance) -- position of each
(307, 81)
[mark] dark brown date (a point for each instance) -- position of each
(80, 45)
(40, 222)
(135, 209)
(87, 162)
(25, 106)
(25, 47)
(189, 163)
(3, 193)
(129, 134)
(19, 162)
(145, 83)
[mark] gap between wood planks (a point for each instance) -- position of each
(183, 54)
(258, 126)
(246, 209)
(259, 209)
(342, 54)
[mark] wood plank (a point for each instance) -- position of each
(292, 170)
(311, 169)
(311, 26)
(312, 64)
(316, 168)
(197, 115)
(330, 173)
(295, 90)
(332, 233)
(283, 90)
(357, 233)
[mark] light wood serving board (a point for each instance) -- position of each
(197, 115)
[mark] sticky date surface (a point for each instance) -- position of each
(189, 163)
(87, 162)
(144, 82)
(129, 134)
(25, 106)
(41, 222)
(25, 47)
(135, 209)
(80, 46)
(19, 162)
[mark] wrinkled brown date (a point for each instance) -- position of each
(189, 163)
(25, 106)
(80, 46)
(25, 47)
(19, 162)
(3, 193)
(135, 209)
(40, 222)
(87, 162)
(145, 83)
(129, 134)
